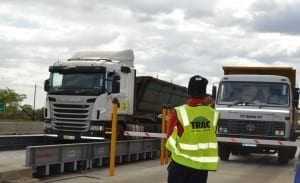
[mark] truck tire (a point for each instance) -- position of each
(283, 156)
(292, 152)
(120, 131)
(224, 152)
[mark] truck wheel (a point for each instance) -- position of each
(292, 152)
(120, 132)
(283, 156)
(224, 152)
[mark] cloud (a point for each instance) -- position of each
(277, 16)
(260, 16)
(172, 40)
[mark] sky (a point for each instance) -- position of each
(172, 40)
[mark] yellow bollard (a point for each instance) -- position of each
(113, 138)
(163, 141)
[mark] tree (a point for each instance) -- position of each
(26, 112)
(12, 101)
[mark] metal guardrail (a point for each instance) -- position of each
(72, 157)
(13, 142)
(21, 127)
(244, 141)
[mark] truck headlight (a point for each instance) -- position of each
(223, 130)
(279, 132)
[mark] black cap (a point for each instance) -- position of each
(197, 86)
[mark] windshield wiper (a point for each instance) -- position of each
(247, 103)
(57, 90)
(239, 102)
(259, 103)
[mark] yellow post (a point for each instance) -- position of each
(167, 118)
(113, 139)
(163, 141)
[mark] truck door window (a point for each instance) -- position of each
(113, 82)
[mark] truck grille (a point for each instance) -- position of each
(70, 117)
(251, 128)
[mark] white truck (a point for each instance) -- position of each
(257, 103)
(80, 93)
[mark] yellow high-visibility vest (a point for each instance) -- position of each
(197, 147)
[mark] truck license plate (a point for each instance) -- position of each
(249, 145)
(68, 137)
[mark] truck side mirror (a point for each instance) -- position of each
(125, 69)
(46, 85)
(214, 92)
(296, 97)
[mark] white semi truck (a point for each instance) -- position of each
(80, 93)
(257, 103)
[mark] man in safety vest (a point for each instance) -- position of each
(192, 139)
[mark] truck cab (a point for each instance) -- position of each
(256, 106)
(80, 92)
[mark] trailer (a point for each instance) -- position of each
(80, 93)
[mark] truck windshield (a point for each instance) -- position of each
(90, 83)
(253, 93)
